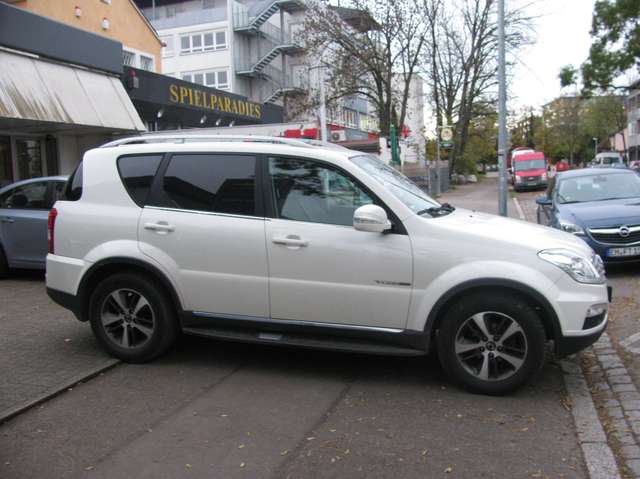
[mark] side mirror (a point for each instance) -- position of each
(510, 171)
(543, 200)
(371, 218)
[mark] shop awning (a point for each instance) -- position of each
(38, 96)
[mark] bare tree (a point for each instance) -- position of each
(376, 57)
(461, 62)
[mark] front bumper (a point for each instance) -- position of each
(530, 185)
(567, 345)
(571, 301)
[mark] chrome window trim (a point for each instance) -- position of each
(208, 213)
(614, 229)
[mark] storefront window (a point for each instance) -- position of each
(29, 158)
(6, 171)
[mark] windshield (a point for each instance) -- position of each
(524, 165)
(609, 160)
(399, 185)
(599, 188)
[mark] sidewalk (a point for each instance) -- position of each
(482, 196)
(43, 348)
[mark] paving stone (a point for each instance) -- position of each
(608, 357)
(611, 403)
(624, 438)
(603, 351)
(633, 415)
(611, 364)
(631, 405)
(634, 465)
(615, 412)
(616, 371)
(630, 452)
(620, 425)
(635, 427)
(629, 396)
(622, 388)
(602, 386)
(622, 379)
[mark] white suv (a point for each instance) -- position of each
(276, 242)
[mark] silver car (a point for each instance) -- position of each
(24, 209)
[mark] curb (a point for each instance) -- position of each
(597, 455)
(13, 411)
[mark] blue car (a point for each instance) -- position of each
(24, 210)
(599, 205)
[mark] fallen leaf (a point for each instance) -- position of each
(346, 451)
(285, 452)
(449, 470)
(188, 466)
(241, 446)
(67, 340)
(332, 430)
(311, 438)
(88, 468)
(242, 464)
(424, 453)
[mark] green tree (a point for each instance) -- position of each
(616, 43)
(568, 76)
(604, 116)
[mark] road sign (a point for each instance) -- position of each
(446, 134)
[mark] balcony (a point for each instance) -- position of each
(169, 19)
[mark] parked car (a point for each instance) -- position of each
(601, 206)
(24, 209)
(529, 171)
(608, 159)
(285, 243)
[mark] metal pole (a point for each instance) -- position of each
(437, 188)
(323, 106)
(502, 113)
(595, 148)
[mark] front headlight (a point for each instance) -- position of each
(583, 270)
(518, 179)
(544, 177)
(571, 228)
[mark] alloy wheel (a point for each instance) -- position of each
(127, 318)
(491, 346)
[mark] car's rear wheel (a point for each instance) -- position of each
(491, 343)
(132, 317)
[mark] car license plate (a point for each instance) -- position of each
(622, 252)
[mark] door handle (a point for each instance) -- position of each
(160, 227)
(6, 219)
(290, 240)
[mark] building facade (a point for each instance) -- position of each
(56, 100)
(119, 20)
(250, 48)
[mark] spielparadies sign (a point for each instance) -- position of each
(203, 99)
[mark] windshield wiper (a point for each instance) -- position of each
(435, 211)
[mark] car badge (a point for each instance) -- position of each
(624, 231)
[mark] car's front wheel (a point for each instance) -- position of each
(491, 343)
(132, 317)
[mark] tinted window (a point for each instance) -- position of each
(309, 191)
(32, 196)
(217, 183)
(137, 173)
(73, 190)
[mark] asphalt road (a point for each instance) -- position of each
(211, 409)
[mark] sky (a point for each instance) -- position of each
(562, 37)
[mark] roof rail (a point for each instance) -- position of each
(191, 138)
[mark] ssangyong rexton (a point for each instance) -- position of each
(269, 241)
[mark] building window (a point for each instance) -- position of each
(216, 79)
(167, 49)
(146, 63)
(203, 42)
(6, 167)
(128, 58)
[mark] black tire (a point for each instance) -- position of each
(159, 311)
(4, 265)
(506, 305)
